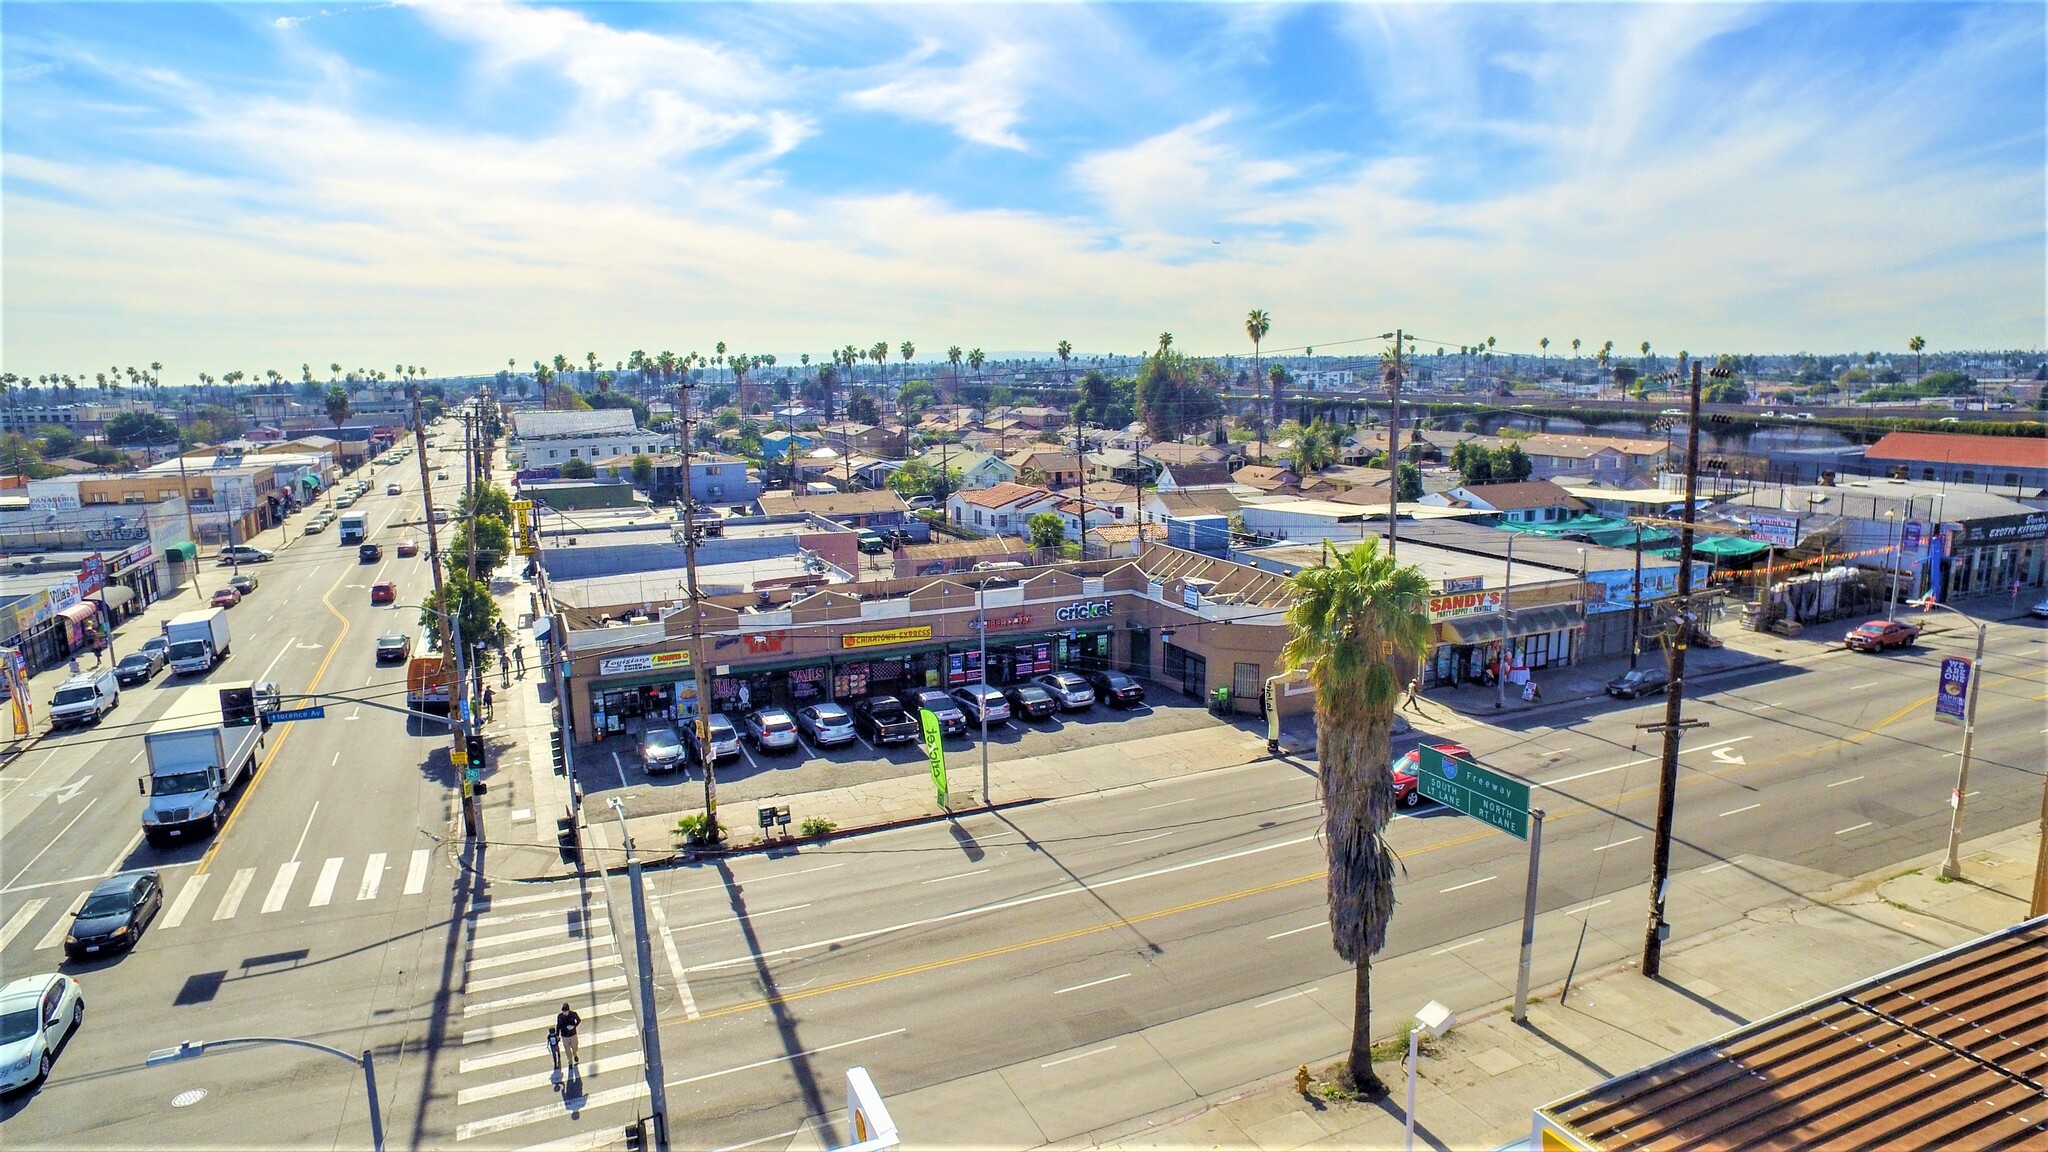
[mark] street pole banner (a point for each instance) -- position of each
(1954, 695)
(935, 747)
(14, 669)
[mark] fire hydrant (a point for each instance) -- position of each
(1301, 1080)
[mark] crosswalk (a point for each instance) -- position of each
(530, 949)
(209, 898)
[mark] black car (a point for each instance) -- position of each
(952, 721)
(369, 553)
(113, 917)
(1116, 689)
(884, 720)
(393, 648)
(1030, 702)
(1637, 682)
(140, 667)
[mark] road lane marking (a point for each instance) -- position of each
(1861, 687)
(1280, 999)
(280, 887)
(1142, 839)
(373, 877)
(954, 876)
(323, 888)
(1634, 763)
(1739, 811)
(1617, 844)
(564, 992)
(595, 1066)
(1091, 984)
(541, 953)
(1854, 828)
(1455, 947)
(748, 916)
(754, 879)
(416, 876)
(1170, 803)
(1721, 865)
(20, 919)
(786, 1058)
(491, 903)
(582, 930)
(727, 1148)
(1850, 780)
(62, 927)
(183, 904)
(1588, 907)
(231, 900)
(524, 975)
(539, 1051)
(1469, 884)
(1078, 1056)
(579, 912)
(603, 1099)
(675, 960)
(53, 841)
(300, 846)
(539, 1023)
(133, 841)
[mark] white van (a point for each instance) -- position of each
(84, 698)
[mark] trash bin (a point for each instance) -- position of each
(1219, 701)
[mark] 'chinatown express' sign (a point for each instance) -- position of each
(886, 636)
(1452, 604)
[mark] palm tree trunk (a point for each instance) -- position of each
(1359, 1064)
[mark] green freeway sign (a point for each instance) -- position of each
(1475, 791)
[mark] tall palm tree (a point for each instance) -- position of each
(1916, 345)
(879, 353)
(1646, 357)
(975, 360)
(908, 349)
(1256, 325)
(1165, 341)
(953, 358)
(1545, 345)
(1065, 352)
(334, 372)
(1349, 622)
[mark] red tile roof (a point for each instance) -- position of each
(1959, 448)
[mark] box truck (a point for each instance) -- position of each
(199, 640)
(192, 773)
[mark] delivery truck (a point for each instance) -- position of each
(355, 527)
(199, 640)
(192, 774)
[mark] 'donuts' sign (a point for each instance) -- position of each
(1464, 604)
(643, 662)
(887, 636)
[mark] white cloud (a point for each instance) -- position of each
(981, 100)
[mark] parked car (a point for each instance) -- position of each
(1031, 702)
(1116, 689)
(983, 705)
(383, 592)
(159, 645)
(393, 649)
(871, 542)
(952, 722)
(369, 553)
(139, 667)
(1878, 635)
(885, 720)
(38, 1015)
(661, 750)
(1069, 688)
(2040, 609)
(1635, 682)
(226, 598)
(770, 730)
(725, 739)
(921, 503)
(408, 547)
(114, 915)
(1407, 767)
(243, 582)
(243, 554)
(826, 724)
(84, 698)
(314, 527)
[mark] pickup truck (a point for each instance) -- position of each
(191, 775)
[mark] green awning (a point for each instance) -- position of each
(311, 482)
(183, 550)
(1732, 547)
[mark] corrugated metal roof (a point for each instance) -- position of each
(1948, 1052)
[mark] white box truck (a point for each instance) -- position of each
(199, 640)
(191, 775)
(355, 527)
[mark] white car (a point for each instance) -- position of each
(2040, 609)
(770, 729)
(38, 1014)
(1073, 692)
(826, 724)
(983, 704)
(725, 739)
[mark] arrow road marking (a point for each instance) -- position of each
(1727, 757)
(67, 792)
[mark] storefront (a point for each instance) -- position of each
(643, 690)
(1477, 639)
(131, 581)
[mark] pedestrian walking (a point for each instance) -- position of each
(74, 664)
(555, 1047)
(490, 704)
(566, 1023)
(1414, 691)
(519, 657)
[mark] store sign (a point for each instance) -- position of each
(886, 637)
(643, 662)
(133, 558)
(1452, 605)
(1015, 620)
(2003, 529)
(1085, 610)
(1911, 535)
(92, 575)
(1782, 531)
(763, 643)
(1464, 584)
(1190, 596)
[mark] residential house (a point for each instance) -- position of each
(1185, 503)
(1107, 541)
(977, 469)
(1267, 478)
(1121, 466)
(1081, 514)
(1060, 467)
(877, 440)
(1213, 474)
(1004, 509)
(948, 555)
(778, 445)
(881, 509)
(549, 439)
(1617, 460)
(1172, 452)
(1520, 502)
(1040, 418)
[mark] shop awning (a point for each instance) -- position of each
(83, 612)
(116, 595)
(1536, 621)
(1476, 629)
(183, 550)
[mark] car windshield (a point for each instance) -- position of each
(1032, 694)
(721, 732)
(829, 716)
(178, 783)
(74, 695)
(188, 649)
(136, 661)
(663, 740)
(18, 1025)
(105, 904)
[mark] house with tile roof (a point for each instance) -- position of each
(1520, 502)
(2006, 462)
(1004, 509)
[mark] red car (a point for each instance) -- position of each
(383, 592)
(1406, 792)
(1878, 635)
(408, 547)
(226, 598)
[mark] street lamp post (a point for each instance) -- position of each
(1951, 862)
(191, 1049)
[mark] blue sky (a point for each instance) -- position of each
(252, 186)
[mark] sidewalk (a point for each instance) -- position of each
(1479, 1085)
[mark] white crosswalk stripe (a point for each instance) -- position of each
(323, 888)
(20, 919)
(373, 877)
(231, 900)
(416, 876)
(281, 886)
(187, 896)
(55, 935)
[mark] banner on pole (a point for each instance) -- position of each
(1951, 701)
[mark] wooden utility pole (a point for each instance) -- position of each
(1394, 447)
(700, 672)
(1673, 727)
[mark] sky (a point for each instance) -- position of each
(252, 186)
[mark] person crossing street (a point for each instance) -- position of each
(566, 1023)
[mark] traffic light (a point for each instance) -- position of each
(555, 753)
(238, 707)
(636, 1136)
(473, 745)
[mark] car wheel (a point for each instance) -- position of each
(43, 1068)
(78, 1014)
(1413, 799)
(220, 814)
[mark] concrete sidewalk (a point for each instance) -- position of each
(1479, 1085)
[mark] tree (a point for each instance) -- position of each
(1176, 395)
(1510, 464)
(1916, 345)
(1315, 448)
(338, 404)
(921, 477)
(18, 455)
(1408, 482)
(1474, 464)
(577, 468)
(862, 409)
(643, 472)
(139, 428)
(1350, 621)
(493, 543)
(1256, 325)
(55, 441)
(1065, 352)
(953, 358)
(464, 601)
(916, 397)
(1048, 531)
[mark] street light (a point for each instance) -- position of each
(1952, 864)
(1433, 1021)
(191, 1049)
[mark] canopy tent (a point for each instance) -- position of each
(183, 550)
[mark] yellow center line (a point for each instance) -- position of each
(277, 745)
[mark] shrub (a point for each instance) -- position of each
(817, 826)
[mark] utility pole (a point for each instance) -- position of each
(419, 442)
(1673, 727)
(643, 959)
(1394, 451)
(1635, 603)
(699, 671)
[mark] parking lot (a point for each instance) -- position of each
(612, 767)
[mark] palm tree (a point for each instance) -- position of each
(1915, 345)
(1256, 325)
(1065, 352)
(880, 355)
(953, 358)
(1646, 357)
(975, 360)
(1350, 622)
(1165, 342)
(1545, 345)
(908, 349)
(333, 371)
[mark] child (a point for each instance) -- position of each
(555, 1047)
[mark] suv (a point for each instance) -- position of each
(935, 700)
(369, 553)
(885, 720)
(983, 704)
(243, 554)
(770, 729)
(1878, 635)
(1069, 688)
(725, 739)
(826, 724)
